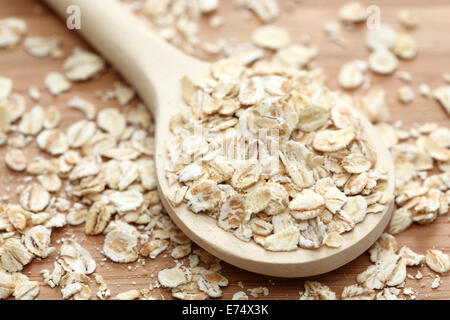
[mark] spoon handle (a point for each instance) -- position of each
(151, 65)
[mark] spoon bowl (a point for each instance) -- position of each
(155, 68)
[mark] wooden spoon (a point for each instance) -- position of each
(155, 68)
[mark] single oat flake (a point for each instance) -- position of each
(352, 12)
(405, 94)
(408, 18)
(43, 47)
(11, 31)
(265, 10)
(82, 65)
(6, 85)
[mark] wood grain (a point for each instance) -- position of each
(433, 60)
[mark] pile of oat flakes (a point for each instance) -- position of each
(100, 171)
(302, 186)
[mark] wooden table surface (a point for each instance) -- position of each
(307, 17)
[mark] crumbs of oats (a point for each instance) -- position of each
(271, 37)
